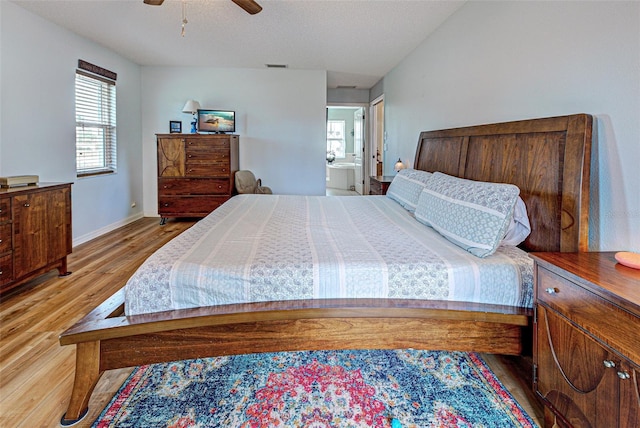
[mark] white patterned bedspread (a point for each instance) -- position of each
(273, 247)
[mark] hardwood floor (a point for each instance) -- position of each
(36, 373)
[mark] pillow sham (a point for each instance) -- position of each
(519, 226)
(407, 186)
(474, 215)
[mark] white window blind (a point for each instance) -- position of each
(95, 125)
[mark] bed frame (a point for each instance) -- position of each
(548, 159)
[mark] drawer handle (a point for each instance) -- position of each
(189, 156)
(552, 290)
(166, 204)
(609, 364)
(623, 375)
(1, 272)
(27, 205)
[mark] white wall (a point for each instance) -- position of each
(37, 118)
(280, 117)
(500, 61)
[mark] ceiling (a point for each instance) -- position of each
(356, 41)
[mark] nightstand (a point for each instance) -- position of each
(587, 340)
(379, 184)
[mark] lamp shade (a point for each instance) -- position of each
(398, 166)
(191, 106)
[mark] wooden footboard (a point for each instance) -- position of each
(106, 339)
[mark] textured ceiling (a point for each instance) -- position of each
(357, 42)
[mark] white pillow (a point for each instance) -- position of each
(519, 226)
(407, 186)
(474, 215)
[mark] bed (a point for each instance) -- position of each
(547, 159)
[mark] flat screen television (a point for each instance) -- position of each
(218, 121)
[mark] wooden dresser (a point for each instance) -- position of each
(378, 184)
(195, 173)
(35, 232)
(587, 340)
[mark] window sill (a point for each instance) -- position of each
(94, 173)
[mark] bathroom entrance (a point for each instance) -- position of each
(345, 150)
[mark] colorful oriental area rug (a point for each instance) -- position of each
(381, 388)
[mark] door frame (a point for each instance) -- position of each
(373, 140)
(365, 145)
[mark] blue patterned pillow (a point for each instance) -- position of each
(472, 214)
(407, 186)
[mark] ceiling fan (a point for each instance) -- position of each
(249, 5)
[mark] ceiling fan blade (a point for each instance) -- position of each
(153, 2)
(249, 5)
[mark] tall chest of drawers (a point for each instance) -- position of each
(587, 340)
(195, 173)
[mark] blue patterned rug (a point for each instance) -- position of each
(397, 388)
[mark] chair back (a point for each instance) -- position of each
(246, 182)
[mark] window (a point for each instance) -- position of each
(95, 125)
(336, 138)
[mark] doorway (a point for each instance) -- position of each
(346, 137)
(377, 147)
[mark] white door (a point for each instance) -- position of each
(358, 148)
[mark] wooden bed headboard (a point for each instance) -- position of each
(548, 159)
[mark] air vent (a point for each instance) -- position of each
(276, 65)
(346, 87)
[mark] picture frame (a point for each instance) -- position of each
(175, 127)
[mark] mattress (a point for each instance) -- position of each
(277, 247)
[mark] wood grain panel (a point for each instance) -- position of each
(440, 154)
(306, 334)
(572, 377)
(171, 157)
(630, 399)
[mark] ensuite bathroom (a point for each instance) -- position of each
(344, 134)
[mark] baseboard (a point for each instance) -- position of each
(99, 232)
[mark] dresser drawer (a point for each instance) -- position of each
(208, 144)
(193, 186)
(209, 156)
(5, 238)
(189, 206)
(207, 170)
(5, 209)
(6, 269)
(609, 323)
